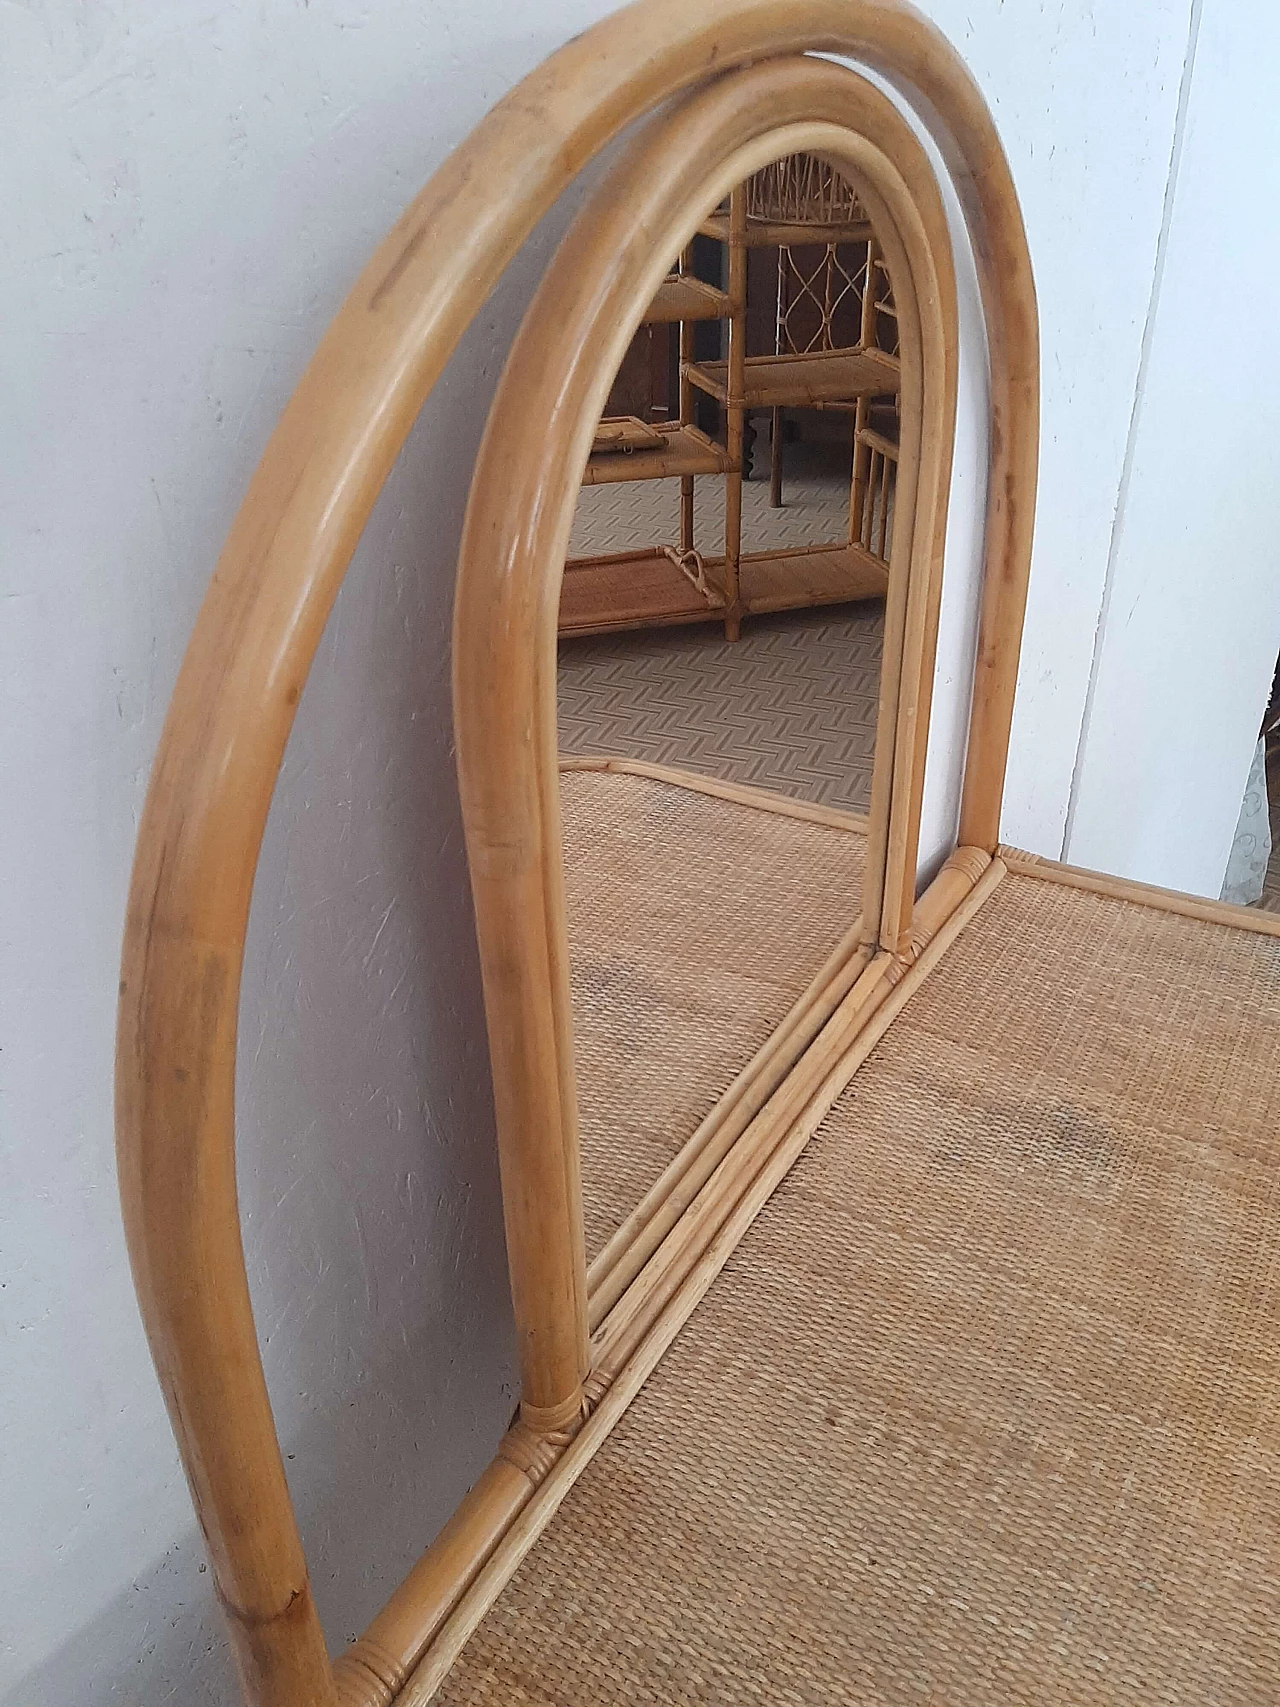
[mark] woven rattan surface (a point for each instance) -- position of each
(986, 1407)
(694, 923)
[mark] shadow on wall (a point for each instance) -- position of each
(368, 1175)
(373, 1477)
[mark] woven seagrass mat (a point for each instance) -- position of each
(986, 1406)
(694, 924)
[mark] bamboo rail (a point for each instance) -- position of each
(741, 793)
(1142, 894)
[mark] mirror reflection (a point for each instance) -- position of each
(720, 633)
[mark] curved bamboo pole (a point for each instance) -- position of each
(518, 519)
(255, 640)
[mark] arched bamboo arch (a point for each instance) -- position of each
(518, 519)
(242, 677)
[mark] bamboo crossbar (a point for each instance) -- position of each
(257, 634)
(878, 442)
(741, 793)
(768, 234)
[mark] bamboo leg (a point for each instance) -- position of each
(883, 526)
(686, 416)
(780, 343)
(734, 409)
(867, 329)
(858, 479)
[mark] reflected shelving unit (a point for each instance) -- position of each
(659, 584)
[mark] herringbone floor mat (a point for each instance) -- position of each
(789, 707)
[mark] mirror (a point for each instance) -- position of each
(721, 623)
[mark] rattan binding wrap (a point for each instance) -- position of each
(683, 959)
(985, 1407)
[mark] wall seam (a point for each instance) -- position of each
(1139, 391)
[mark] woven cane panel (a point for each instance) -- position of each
(986, 1407)
(694, 923)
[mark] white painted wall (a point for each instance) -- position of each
(1085, 97)
(188, 197)
(1188, 637)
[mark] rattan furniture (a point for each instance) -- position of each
(908, 1329)
(796, 202)
(661, 584)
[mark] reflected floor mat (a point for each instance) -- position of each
(986, 1406)
(694, 924)
(791, 706)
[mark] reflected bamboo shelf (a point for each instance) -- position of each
(631, 589)
(772, 233)
(800, 202)
(781, 382)
(801, 577)
(682, 297)
(686, 451)
(647, 589)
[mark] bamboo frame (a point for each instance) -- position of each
(518, 519)
(224, 739)
(1142, 894)
(782, 805)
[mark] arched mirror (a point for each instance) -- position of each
(720, 629)
(687, 933)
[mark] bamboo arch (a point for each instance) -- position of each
(234, 703)
(518, 518)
